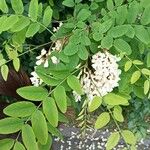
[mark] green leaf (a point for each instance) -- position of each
(16, 64)
(68, 3)
(102, 120)
(110, 5)
(128, 65)
(107, 42)
(71, 49)
(148, 59)
(119, 31)
(48, 79)
(17, 6)
(32, 29)
(142, 34)
(137, 62)
(122, 46)
(83, 14)
(21, 24)
(146, 86)
(74, 84)
(118, 2)
(33, 93)
(83, 53)
(50, 111)
(4, 72)
(3, 6)
(39, 126)
(95, 103)
(133, 12)
(114, 99)
(28, 138)
(135, 77)
(47, 16)
(33, 10)
(6, 144)
(122, 13)
(131, 32)
(55, 131)
(18, 146)
(118, 114)
(20, 109)
(146, 71)
(9, 22)
(145, 20)
(60, 98)
(112, 140)
(10, 125)
(129, 137)
(48, 145)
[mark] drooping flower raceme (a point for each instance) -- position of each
(103, 76)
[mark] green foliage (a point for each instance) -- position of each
(102, 120)
(113, 140)
(116, 26)
(33, 93)
(20, 109)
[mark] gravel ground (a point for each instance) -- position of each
(92, 141)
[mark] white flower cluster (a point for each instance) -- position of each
(103, 77)
(77, 97)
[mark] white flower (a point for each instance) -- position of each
(43, 58)
(76, 96)
(55, 60)
(103, 77)
(35, 80)
(58, 45)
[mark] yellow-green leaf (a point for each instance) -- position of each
(127, 66)
(118, 114)
(146, 71)
(102, 120)
(17, 6)
(6, 144)
(74, 83)
(112, 140)
(28, 138)
(135, 77)
(114, 99)
(137, 62)
(95, 103)
(60, 98)
(16, 64)
(18, 146)
(129, 137)
(146, 86)
(3, 6)
(33, 10)
(32, 29)
(39, 126)
(4, 71)
(50, 111)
